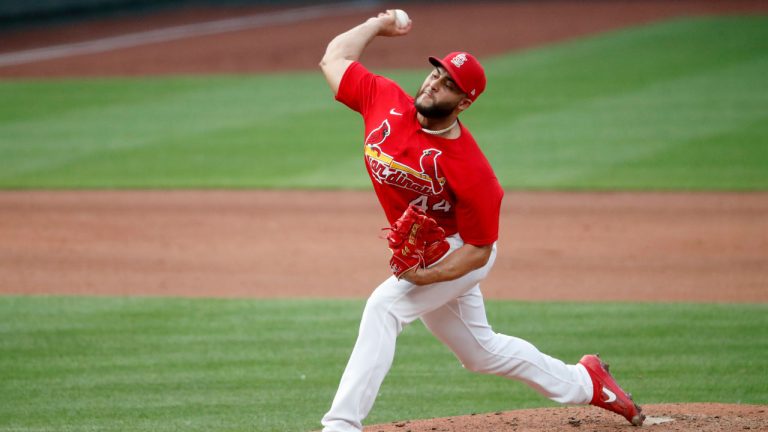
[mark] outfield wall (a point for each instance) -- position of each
(15, 10)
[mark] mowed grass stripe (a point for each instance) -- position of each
(605, 112)
(598, 113)
(585, 150)
(156, 364)
(187, 120)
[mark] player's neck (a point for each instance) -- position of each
(447, 127)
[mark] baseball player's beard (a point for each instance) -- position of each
(436, 110)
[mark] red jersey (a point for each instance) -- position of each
(449, 178)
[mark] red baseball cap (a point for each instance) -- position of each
(465, 70)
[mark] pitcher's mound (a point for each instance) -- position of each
(699, 417)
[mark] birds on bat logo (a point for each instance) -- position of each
(386, 169)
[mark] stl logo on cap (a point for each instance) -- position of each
(459, 60)
(465, 70)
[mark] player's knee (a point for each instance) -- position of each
(380, 308)
(479, 363)
(378, 303)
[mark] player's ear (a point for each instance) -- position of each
(464, 104)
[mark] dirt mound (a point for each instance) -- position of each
(700, 417)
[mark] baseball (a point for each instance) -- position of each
(401, 18)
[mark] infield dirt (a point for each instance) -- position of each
(554, 246)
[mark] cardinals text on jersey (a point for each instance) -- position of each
(385, 169)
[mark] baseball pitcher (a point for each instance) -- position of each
(442, 198)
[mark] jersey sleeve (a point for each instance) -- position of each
(359, 88)
(478, 210)
(477, 193)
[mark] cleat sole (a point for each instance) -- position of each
(638, 420)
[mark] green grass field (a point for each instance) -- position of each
(681, 105)
(678, 105)
(141, 364)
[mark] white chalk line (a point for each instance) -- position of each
(180, 32)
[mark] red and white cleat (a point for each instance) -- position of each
(607, 394)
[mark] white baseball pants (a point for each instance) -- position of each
(454, 312)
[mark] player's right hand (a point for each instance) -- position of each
(388, 26)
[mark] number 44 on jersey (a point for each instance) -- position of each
(422, 202)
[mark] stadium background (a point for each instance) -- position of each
(630, 137)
